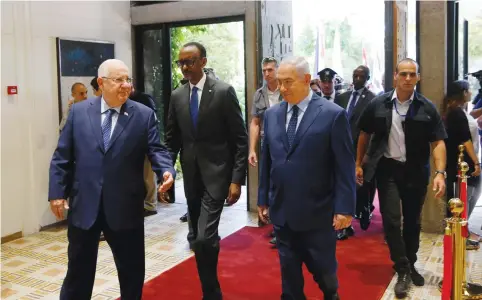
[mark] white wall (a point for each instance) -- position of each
(29, 121)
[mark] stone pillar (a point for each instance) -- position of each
(275, 36)
(433, 49)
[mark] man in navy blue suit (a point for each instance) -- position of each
(306, 180)
(99, 165)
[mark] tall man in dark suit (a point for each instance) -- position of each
(305, 180)
(355, 102)
(99, 164)
(205, 124)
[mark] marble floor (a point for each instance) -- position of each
(33, 267)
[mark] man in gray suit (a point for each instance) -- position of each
(355, 102)
(206, 126)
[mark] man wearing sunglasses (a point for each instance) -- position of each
(206, 127)
(402, 126)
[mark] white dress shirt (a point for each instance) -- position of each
(302, 106)
(396, 139)
(359, 93)
(104, 107)
(200, 87)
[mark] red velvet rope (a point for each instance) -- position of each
(448, 268)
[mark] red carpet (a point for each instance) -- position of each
(249, 269)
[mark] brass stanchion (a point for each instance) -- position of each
(457, 227)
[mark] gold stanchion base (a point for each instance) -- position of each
(472, 291)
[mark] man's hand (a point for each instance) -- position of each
(359, 175)
(234, 193)
(341, 221)
(167, 182)
(57, 206)
(476, 172)
(163, 197)
(263, 214)
(439, 185)
(252, 159)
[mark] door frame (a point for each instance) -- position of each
(138, 31)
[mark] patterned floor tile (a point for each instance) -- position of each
(33, 267)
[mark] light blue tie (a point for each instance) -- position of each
(107, 126)
(291, 132)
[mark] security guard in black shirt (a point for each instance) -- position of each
(402, 125)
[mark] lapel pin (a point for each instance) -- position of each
(210, 91)
(363, 96)
(125, 113)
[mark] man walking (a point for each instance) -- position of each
(308, 199)
(206, 126)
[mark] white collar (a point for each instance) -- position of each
(105, 107)
(200, 84)
(394, 96)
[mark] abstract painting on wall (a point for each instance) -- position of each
(78, 62)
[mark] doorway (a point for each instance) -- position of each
(156, 50)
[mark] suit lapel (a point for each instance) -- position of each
(360, 104)
(281, 114)
(95, 119)
(309, 116)
(206, 97)
(126, 112)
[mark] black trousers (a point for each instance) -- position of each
(317, 250)
(128, 250)
(395, 185)
(364, 197)
(204, 214)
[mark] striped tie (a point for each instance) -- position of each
(107, 126)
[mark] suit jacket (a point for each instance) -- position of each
(362, 102)
(217, 150)
(90, 175)
(305, 185)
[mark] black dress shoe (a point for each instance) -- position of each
(344, 233)
(403, 285)
(271, 234)
(183, 218)
(365, 219)
(417, 279)
(148, 213)
(332, 297)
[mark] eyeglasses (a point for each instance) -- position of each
(186, 62)
(120, 80)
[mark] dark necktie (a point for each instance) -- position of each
(194, 106)
(327, 98)
(107, 127)
(352, 103)
(291, 132)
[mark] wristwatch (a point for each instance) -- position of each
(441, 172)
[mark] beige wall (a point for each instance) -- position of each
(433, 50)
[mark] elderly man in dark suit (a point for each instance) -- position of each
(306, 180)
(206, 126)
(99, 165)
(355, 102)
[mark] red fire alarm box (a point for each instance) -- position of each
(12, 90)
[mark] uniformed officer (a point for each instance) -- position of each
(327, 78)
(401, 126)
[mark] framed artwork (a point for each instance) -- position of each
(78, 62)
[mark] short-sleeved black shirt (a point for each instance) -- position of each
(458, 132)
(423, 125)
